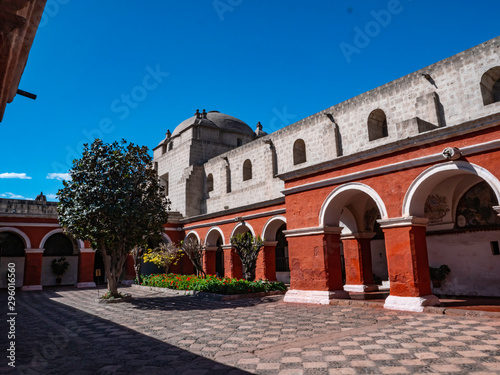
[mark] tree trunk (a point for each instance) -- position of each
(137, 269)
(137, 264)
(113, 268)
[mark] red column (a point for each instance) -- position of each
(128, 273)
(266, 262)
(86, 268)
(358, 262)
(33, 269)
(408, 264)
(209, 260)
(316, 272)
(232, 263)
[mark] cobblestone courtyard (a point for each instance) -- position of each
(64, 331)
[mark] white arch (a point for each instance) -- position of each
(242, 224)
(192, 232)
(60, 230)
(166, 237)
(273, 225)
(211, 230)
(26, 239)
(349, 190)
(428, 179)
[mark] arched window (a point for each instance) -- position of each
(247, 170)
(490, 86)
(58, 245)
(239, 142)
(170, 146)
(377, 125)
(11, 245)
(210, 183)
(299, 152)
(163, 149)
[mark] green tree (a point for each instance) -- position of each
(248, 248)
(115, 201)
(194, 251)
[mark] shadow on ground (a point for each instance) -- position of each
(53, 338)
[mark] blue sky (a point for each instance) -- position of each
(131, 69)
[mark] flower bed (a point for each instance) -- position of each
(210, 284)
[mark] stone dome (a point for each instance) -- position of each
(217, 120)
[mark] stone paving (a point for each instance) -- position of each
(65, 331)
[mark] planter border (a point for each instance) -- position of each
(212, 296)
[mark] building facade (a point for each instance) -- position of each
(364, 195)
(377, 188)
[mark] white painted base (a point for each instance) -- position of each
(360, 288)
(90, 284)
(321, 297)
(30, 288)
(416, 304)
(386, 285)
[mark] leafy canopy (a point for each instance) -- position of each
(114, 197)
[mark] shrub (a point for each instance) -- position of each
(210, 284)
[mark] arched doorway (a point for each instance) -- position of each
(59, 248)
(275, 252)
(219, 259)
(12, 249)
(213, 243)
(463, 230)
(354, 208)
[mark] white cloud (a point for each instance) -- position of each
(51, 196)
(21, 176)
(12, 196)
(59, 176)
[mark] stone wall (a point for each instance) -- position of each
(444, 94)
(22, 206)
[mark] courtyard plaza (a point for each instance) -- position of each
(66, 331)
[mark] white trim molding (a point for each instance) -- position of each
(403, 222)
(416, 304)
(497, 209)
(312, 231)
(87, 250)
(347, 190)
(193, 232)
(24, 236)
(423, 184)
(244, 224)
(389, 168)
(214, 229)
(319, 297)
(34, 251)
(236, 218)
(271, 222)
(360, 288)
(358, 235)
(48, 225)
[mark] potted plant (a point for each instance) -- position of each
(439, 274)
(59, 267)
